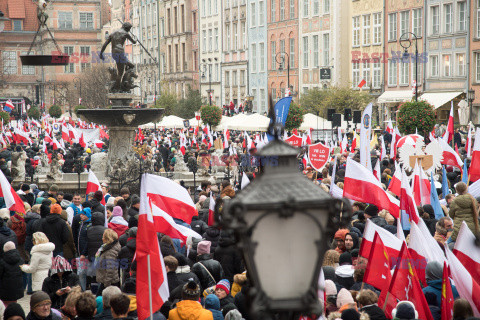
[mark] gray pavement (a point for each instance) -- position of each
(25, 303)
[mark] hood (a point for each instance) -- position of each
(45, 248)
(5, 230)
(355, 240)
(132, 244)
(31, 216)
(345, 271)
(189, 310)
(98, 219)
(183, 269)
(213, 232)
(226, 239)
(212, 302)
(53, 217)
(12, 257)
(65, 203)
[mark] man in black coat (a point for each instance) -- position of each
(61, 277)
(205, 262)
(171, 264)
(95, 234)
(56, 230)
(228, 256)
(6, 234)
(11, 278)
(126, 254)
(96, 202)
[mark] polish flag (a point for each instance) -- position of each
(407, 202)
(466, 285)
(376, 171)
(56, 144)
(344, 143)
(171, 198)
(11, 198)
(421, 186)
(245, 180)
(65, 134)
(377, 272)
(466, 251)
(82, 141)
(383, 152)
(448, 136)
(389, 126)
(93, 185)
(47, 138)
(103, 134)
(390, 241)
(450, 156)
(431, 136)
(152, 285)
(361, 185)
(211, 211)
(183, 146)
(355, 142)
(468, 145)
(474, 170)
(395, 184)
(22, 136)
(393, 149)
(44, 147)
(99, 143)
(447, 295)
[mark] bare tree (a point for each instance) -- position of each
(92, 84)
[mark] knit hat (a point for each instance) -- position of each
(54, 188)
(111, 201)
(434, 271)
(405, 310)
(25, 187)
(350, 314)
(4, 214)
(87, 212)
(341, 233)
(98, 195)
(68, 197)
(135, 200)
(37, 298)
(56, 209)
(132, 232)
(129, 287)
(117, 211)
(223, 284)
(345, 258)
(330, 288)
(203, 247)
(12, 310)
(191, 291)
(371, 210)
(343, 297)
(60, 264)
(9, 245)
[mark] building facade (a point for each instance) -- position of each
(195, 46)
(474, 65)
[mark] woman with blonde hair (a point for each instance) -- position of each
(40, 261)
(331, 258)
(106, 263)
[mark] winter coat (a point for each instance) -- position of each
(213, 266)
(462, 209)
(30, 218)
(198, 225)
(227, 191)
(166, 249)
(374, 311)
(82, 240)
(97, 206)
(95, 234)
(379, 221)
(228, 256)
(173, 281)
(127, 253)
(56, 230)
(345, 276)
(213, 304)
(132, 212)
(184, 274)
(69, 249)
(76, 221)
(435, 287)
(227, 300)
(189, 310)
(106, 314)
(213, 235)
(40, 263)
(54, 283)
(52, 316)
(6, 234)
(11, 278)
(107, 264)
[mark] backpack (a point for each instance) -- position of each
(20, 229)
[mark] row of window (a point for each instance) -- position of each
(283, 15)
(234, 80)
(407, 24)
(209, 8)
(232, 36)
(212, 74)
(178, 24)
(210, 43)
(177, 57)
(443, 15)
(281, 61)
(315, 8)
(261, 13)
(257, 57)
(259, 102)
(65, 20)
(363, 35)
(374, 80)
(312, 57)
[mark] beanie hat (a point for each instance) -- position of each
(130, 285)
(343, 297)
(117, 211)
(37, 298)
(371, 210)
(434, 271)
(132, 232)
(405, 310)
(98, 195)
(4, 214)
(135, 200)
(60, 264)
(191, 291)
(111, 201)
(54, 188)
(330, 288)
(9, 245)
(25, 187)
(44, 210)
(345, 258)
(87, 212)
(203, 247)
(56, 208)
(68, 197)
(350, 314)
(223, 284)
(13, 309)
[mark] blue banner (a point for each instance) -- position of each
(434, 201)
(281, 109)
(445, 189)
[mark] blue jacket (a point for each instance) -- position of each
(212, 303)
(435, 286)
(82, 241)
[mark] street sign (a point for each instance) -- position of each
(325, 74)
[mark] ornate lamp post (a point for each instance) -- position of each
(470, 98)
(280, 58)
(406, 43)
(206, 68)
(283, 271)
(77, 83)
(2, 21)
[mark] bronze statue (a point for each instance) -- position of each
(124, 67)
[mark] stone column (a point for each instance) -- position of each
(121, 142)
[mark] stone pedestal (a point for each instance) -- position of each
(120, 145)
(120, 100)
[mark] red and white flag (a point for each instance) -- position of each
(407, 202)
(474, 170)
(395, 184)
(389, 126)
(447, 295)
(390, 241)
(448, 136)
(421, 186)
(65, 134)
(468, 144)
(81, 141)
(361, 185)
(383, 152)
(211, 211)
(467, 252)
(93, 185)
(10, 197)
(450, 156)
(152, 285)
(99, 143)
(377, 272)
(376, 171)
(245, 181)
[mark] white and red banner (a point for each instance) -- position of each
(318, 155)
(294, 140)
(467, 252)
(93, 185)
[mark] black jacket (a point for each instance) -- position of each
(30, 219)
(53, 283)
(106, 314)
(213, 266)
(76, 227)
(374, 311)
(95, 234)
(6, 234)
(81, 243)
(127, 253)
(32, 316)
(166, 249)
(228, 256)
(97, 206)
(173, 281)
(213, 235)
(29, 198)
(132, 212)
(11, 279)
(198, 225)
(56, 230)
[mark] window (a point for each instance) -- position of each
(326, 50)
(261, 15)
(210, 40)
(355, 31)
(227, 31)
(460, 64)
(235, 36)
(217, 72)
(316, 7)
(433, 66)
(244, 35)
(216, 39)
(169, 22)
(404, 21)
(274, 93)
(377, 28)
(292, 9)
(366, 73)
(261, 100)
(417, 22)
(253, 14)
(292, 52)
(84, 58)
(377, 71)
(435, 19)
(355, 74)
(282, 50)
(215, 6)
(478, 19)
(242, 78)
(86, 20)
(227, 4)
(273, 53)
(69, 68)
(64, 20)
(282, 10)
(204, 45)
(227, 78)
(17, 25)
(326, 6)
(234, 78)
(209, 7)
(315, 51)
(305, 52)
(254, 102)
(366, 30)
(175, 20)
(392, 27)
(254, 57)
(262, 56)
(446, 65)
(392, 72)
(404, 73)
(28, 70)
(305, 8)
(204, 8)
(9, 62)
(447, 9)
(272, 11)
(462, 14)
(477, 67)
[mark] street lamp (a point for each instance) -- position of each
(77, 83)
(406, 43)
(283, 271)
(2, 21)
(470, 98)
(204, 69)
(280, 58)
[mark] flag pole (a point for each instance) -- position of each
(150, 287)
(386, 301)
